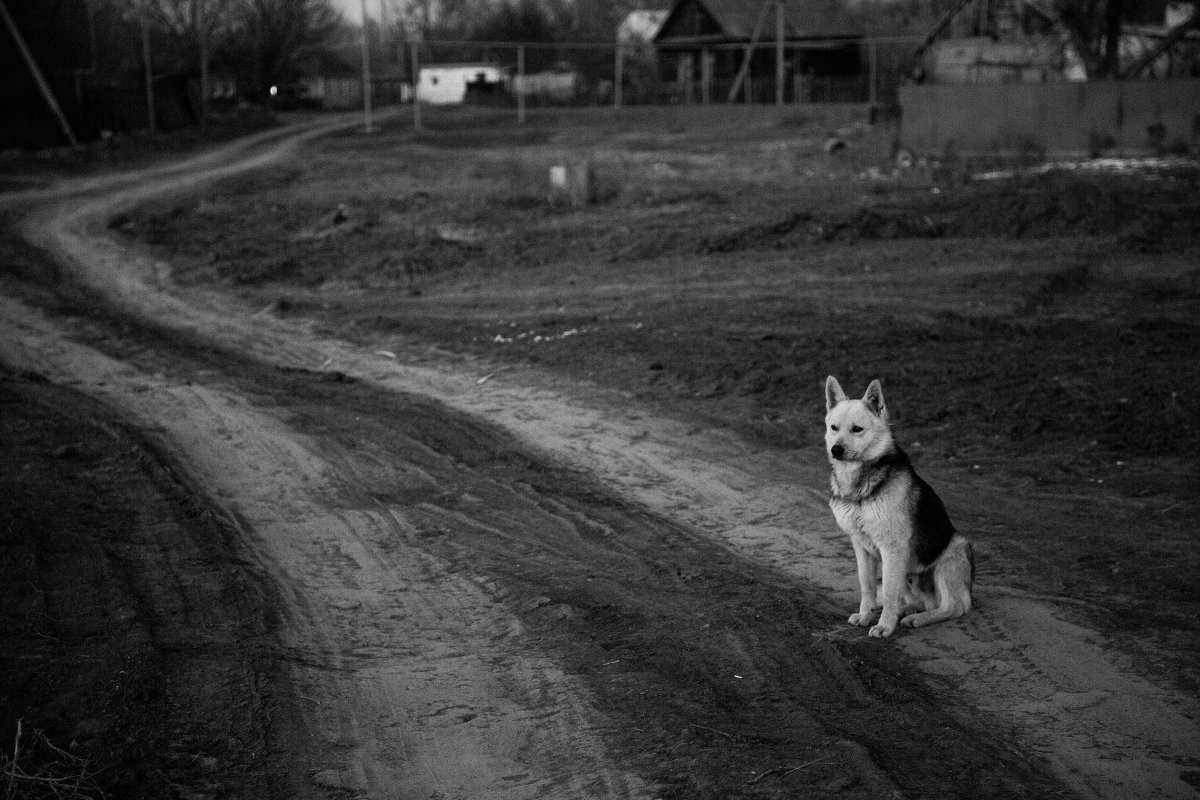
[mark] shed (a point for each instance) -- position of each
(446, 84)
(702, 45)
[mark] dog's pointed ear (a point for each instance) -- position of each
(833, 393)
(873, 399)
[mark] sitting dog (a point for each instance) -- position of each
(894, 519)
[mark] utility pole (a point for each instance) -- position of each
(201, 7)
(618, 75)
(744, 70)
(872, 72)
(779, 33)
(146, 62)
(416, 83)
(38, 78)
(521, 84)
(366, 73)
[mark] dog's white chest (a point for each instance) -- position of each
(873, 523)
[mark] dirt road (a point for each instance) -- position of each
(505, 584)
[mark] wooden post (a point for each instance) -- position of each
(149, 66)
(683, 64)
(688, 67)
(779, 79)
(416, 78)
(872, 72)
(366, 73)
(38, 78)
(521, 84)
(745, 68)
(203, 26)
(618, 75)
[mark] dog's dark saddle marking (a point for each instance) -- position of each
(934, 530)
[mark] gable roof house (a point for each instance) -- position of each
(1026, 41)
(703, 47)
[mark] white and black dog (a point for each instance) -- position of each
(894, 519)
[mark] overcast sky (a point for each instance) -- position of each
(352, 9)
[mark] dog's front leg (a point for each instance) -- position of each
(868, 577)
(895, 578)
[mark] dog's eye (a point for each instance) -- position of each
(856, 428)
(833, 428)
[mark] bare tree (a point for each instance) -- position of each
(1094, 27)
(194, 23)
(277, 31)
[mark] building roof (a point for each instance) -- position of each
(465, 65)
(717, 21)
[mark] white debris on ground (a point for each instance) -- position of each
(538, 338)
(1114, 165)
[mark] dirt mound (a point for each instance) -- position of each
(1134, 208)
(1138, 211)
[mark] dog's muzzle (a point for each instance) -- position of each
(837, 451)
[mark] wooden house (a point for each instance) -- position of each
(762, 51)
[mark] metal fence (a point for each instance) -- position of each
(533, 74)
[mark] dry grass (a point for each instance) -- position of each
(35, 769)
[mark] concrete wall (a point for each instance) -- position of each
(1089, 118)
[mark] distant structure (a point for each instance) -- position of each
(1012, 79)
(448, 84)
(326, 81)
(640, 78)
(1025, 41)
(725, 50)
(640, 27)
(562, 83)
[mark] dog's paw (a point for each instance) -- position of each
(860, 619)
(880, 631)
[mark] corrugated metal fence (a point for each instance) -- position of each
(1080, 119)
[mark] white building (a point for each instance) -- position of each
(444, 84)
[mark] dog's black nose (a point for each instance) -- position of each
(837, 451)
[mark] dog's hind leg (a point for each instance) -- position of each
(952, 576)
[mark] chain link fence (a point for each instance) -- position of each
(525, 75)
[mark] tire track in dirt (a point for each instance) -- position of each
(413, 676)
(1012, 659)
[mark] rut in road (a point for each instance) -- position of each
(411, 679)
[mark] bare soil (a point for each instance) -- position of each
(460, 490)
